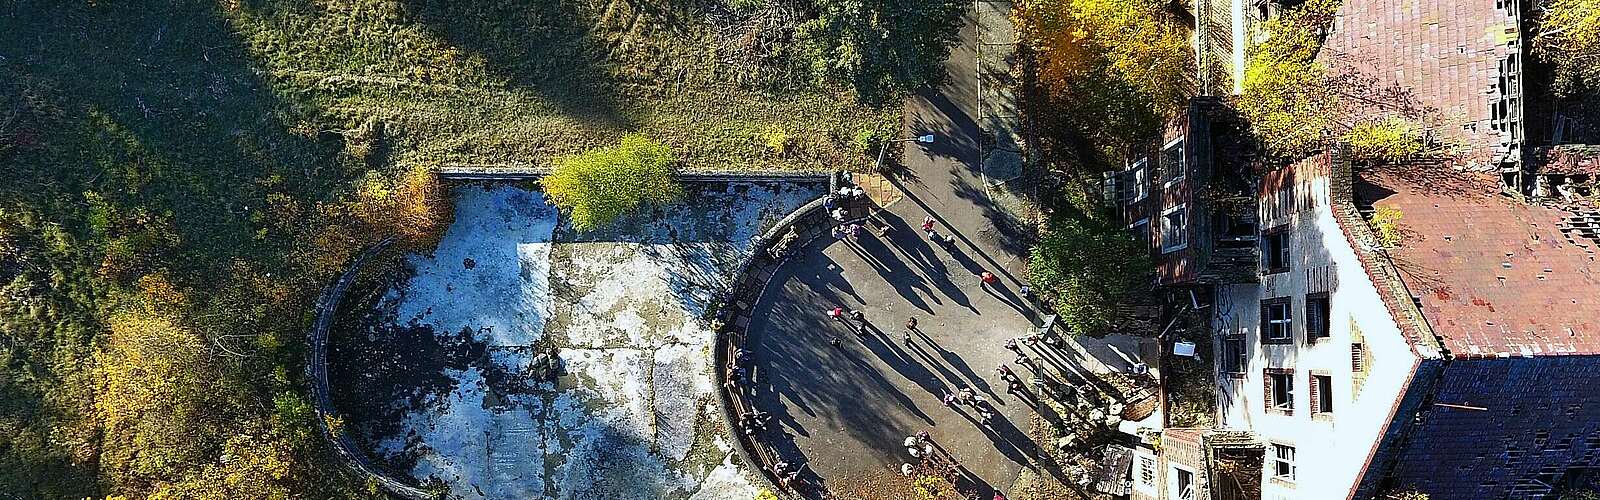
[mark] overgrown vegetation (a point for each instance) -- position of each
(1111, 72)
(1297, 105)
(185, 177)
(596, 187)
(880, 48)
(1386, 226)
(1088, 267)
(1569, 38)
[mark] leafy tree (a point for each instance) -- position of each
(1569, 37)
(1111, 71)
(601, 185)
(1088, 267)
(880, 48)
(1391, 139)
(1296, 104)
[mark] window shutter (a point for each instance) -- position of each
(1264, 323)
(1266, 385)
(1356, 352)
(1316, 403)
(1288, 385)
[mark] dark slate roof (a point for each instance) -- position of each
(1450, 54)
(1493, 277)
(1517, 427)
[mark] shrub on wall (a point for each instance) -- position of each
(597, 187)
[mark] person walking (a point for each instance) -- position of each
(860, 320)
(854, 231)
(837, 233)
(927, 227)
(988, 279)
(836, 313)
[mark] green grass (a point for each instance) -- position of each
(202, 164)
(519, 83)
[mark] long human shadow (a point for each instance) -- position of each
(998, 269)
(904, 243)
(548, 48)
(836, 385)
(893, 271)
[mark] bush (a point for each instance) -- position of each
(776, 139)
(1388, 140)
(597, 187)
(1569, 38)
(1386, 226)
(1088, 267)
(882, 49)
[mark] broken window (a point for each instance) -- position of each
(1321, 394)
(1140, 176)
(1172, 162)
(1276, 321)
(1234, 358)
(1275, 249)
(1174, 229)
(1141, 232)
(1279, 385)
(1283, 462)
(1317, 311)
(1182, 484)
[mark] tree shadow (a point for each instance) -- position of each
(549, 48)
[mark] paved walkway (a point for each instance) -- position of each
(845, 410)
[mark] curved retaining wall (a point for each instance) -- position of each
(317, 370)
(750, 282)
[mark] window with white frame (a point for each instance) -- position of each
(1172, 162)
(1182, 484)
(1282, 462)
(1141, 179)
(1277, 321)
(1174, 229)
(1141, 232)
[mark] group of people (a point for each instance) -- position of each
(965, 396)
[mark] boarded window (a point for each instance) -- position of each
(1357, 363)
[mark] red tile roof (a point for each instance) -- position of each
(1447, 53)
(1496, 277)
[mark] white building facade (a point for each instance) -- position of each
(1309, 359)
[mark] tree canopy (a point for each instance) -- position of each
(1112, 71)
(1089, 267)
(1569, 37)
(597, 187)
(1297, 105)
(881, 48)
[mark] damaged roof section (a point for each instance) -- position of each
(1507, 428)
(1494, 277)
(1462, 59)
